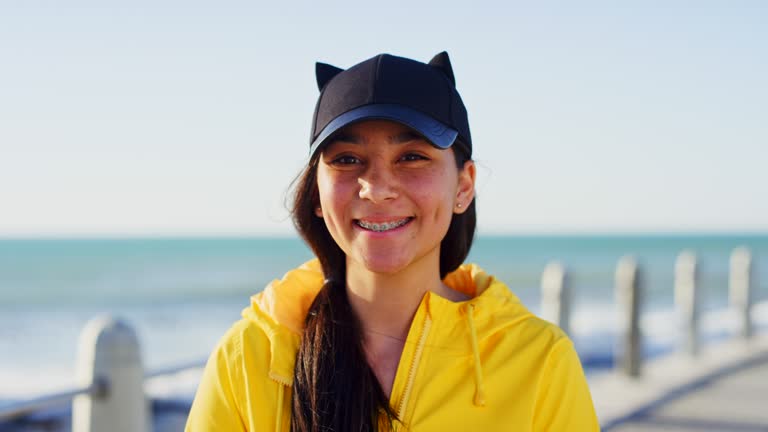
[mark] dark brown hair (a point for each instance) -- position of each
(334, 388)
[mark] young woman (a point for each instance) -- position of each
(386, 329)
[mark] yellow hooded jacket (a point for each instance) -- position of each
(485, 364)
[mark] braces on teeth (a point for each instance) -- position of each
(379, 227)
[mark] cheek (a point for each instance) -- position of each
(334, 196)
(435, 195)
(324, 190)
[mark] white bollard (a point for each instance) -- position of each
(687, 300)
(109, 352)
(629, 297)
(740, 288)
(555, 296)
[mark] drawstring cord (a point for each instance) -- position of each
(279, 422)
(479, 389)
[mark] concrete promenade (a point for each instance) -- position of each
(724, 389)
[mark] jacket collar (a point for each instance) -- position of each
(281, 308)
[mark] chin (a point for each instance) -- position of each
(390, 260)
(386, 264)
(384, 267)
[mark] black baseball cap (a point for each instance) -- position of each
(422, 96)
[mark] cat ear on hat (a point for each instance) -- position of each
(324, 72)
(442, 62)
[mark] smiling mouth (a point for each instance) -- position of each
(382, 226)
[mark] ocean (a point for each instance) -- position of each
(181, 294)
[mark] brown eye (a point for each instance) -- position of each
(345, 160)
(410, 157)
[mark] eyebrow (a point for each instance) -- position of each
(400, 138)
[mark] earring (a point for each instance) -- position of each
(458, 205)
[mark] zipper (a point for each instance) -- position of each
(414, 367)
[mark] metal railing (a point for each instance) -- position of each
(98, 390)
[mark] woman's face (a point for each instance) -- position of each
(387, 195)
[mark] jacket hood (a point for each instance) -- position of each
(281, 308)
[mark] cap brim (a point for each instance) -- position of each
(435, 132)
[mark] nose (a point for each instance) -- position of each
(378, 183)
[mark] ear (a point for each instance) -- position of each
(319, 212)
(324, 73)
(465, 189)
(442, 62)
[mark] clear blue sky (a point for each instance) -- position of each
(185, 117)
